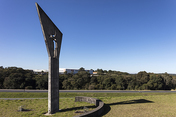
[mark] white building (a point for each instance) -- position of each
(74, 71)
(62, 70)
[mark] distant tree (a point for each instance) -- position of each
(99, 86)
(30, 82)
(82, 78)
(65, 72)
(105, 71)
(41, 81)
(81, 69)
(120, 82)
(100, 71)
(142, 77)
(14, 81)
(113, 87)
(91, 87)
(156, 82)
(168, 85)
(66, 84)
(18, 78)
(61, 79)
(174, 83)
(93, 80)
(1, 77)
(110, 71)
(107, 83)
(92, 69)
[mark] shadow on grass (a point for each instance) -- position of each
(131, 102)
(24, 110)
(107, 107)
(76, 108)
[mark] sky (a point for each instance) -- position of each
(122, 35)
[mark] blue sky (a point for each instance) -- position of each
(121, 35)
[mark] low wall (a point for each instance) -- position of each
(94, 113)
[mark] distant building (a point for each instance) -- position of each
(74, 71)
(94, 72)
(42, 72)
(61, 71)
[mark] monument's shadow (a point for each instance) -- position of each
(107, 107)
(76, 108)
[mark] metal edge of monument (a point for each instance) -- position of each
(53, 38)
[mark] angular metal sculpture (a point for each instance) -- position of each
(53, 39)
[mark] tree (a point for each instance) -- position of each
(120, 82)
(82, 78)
(61, 79)
(107, 83)
(93, 80)
(14, 81)
(30, 82)
(66, 84)
(1, 77)
(131, 82)
(113, 87)
(156, 82)
(142, 78)
(81, 69)
(100, 72)
(167, 81)
(91, 87)
(41, 81)
(174, 83)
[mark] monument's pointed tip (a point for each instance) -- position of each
(39, 9)
(36, 4)
(48, 28)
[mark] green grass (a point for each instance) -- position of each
(45, 95)
(141, 106)
(22, 95)
(117, 104)
(38, 107)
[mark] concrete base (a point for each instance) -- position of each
(47, 114)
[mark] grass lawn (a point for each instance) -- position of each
(38, 107)
(141, 106)
(117, 104)
(61, 94)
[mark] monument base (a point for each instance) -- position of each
(47, 114)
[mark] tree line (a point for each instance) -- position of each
(18, 78)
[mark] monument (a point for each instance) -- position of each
(53, 38)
